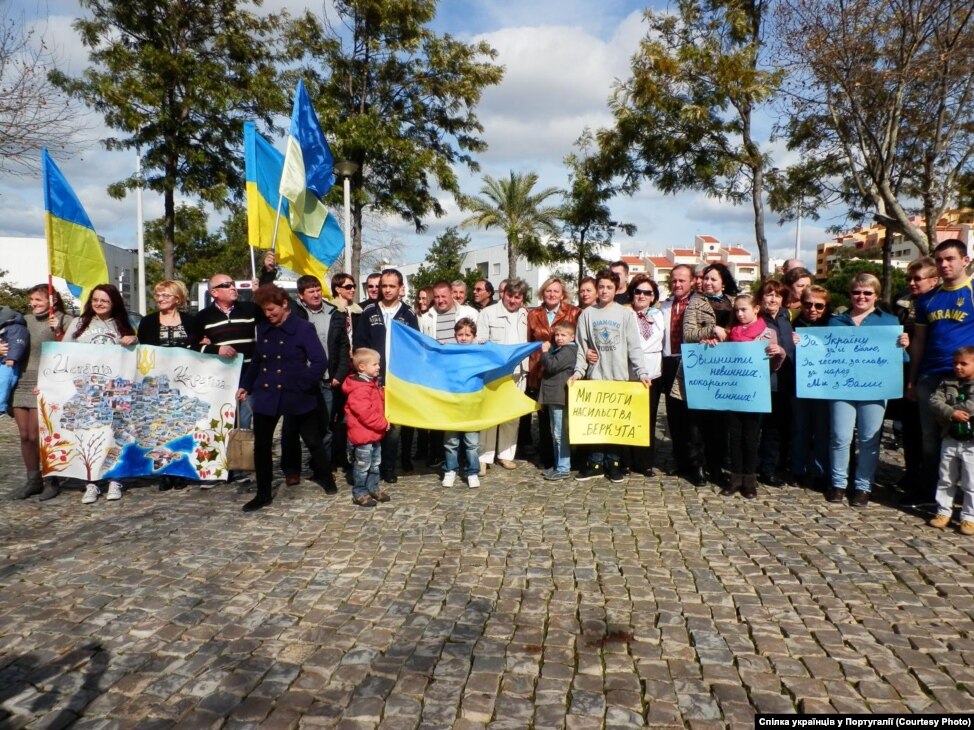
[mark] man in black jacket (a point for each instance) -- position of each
(371, 332)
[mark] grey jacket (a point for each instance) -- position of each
(557, 364)
(946, 399)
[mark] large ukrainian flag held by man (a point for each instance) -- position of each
(453, 387)
(283, 194)
(74, 252)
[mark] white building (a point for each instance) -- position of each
(25, 261)
(491, 263)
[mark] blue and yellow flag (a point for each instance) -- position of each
(308, 167)
(453, 387)
(297, 251)
(73, 250)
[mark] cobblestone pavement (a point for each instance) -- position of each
(523, 604)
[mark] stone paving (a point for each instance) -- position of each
(524, 604)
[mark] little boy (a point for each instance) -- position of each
(465, 331)
(558, 362)
(953, 404)
(367, 424)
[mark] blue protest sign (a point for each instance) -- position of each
(732, 376)
(849, 363)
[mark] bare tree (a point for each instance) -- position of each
(33, 113)
(882, 108)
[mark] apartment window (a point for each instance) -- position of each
(497, 269)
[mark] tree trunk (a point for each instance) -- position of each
(757, 189)
(169, 214)
(511, 257)
(581, 260)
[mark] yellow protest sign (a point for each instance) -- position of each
(608, 412)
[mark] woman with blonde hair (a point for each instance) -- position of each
(862, 416)
(169, 326)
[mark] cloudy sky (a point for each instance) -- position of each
(561, 58)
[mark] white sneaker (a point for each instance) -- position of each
(91, 494)
(473, 481)
(114, 491)
(449, 478)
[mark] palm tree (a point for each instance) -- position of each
(512, 206)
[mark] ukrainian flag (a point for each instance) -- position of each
(452, 387)
(73, 250)
(308, 167)
(297, 251)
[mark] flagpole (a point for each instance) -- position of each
(277, 221)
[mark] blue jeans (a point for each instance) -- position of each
(471, 451)
(559, 438)
(245, 414)
(365, 469)
(868, 416)
(604, 457)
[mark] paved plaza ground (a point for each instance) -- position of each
(523, 604)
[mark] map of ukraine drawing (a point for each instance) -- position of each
(120, 412)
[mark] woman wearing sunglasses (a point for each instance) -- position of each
(643, 295)
(867, 415)
(810, 425)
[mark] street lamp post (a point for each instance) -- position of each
(345, 169)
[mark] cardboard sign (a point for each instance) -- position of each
(608, 412)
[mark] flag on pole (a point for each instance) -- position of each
(73, 250)
(453, 387)
(308, 167)
(300, 252)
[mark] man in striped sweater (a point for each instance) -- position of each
(228, 328)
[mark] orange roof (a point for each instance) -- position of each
(709, 239)
(684, 252)
(632, 259)
(735, 251)
(660, 261)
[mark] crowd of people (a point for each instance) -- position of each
(319, 365)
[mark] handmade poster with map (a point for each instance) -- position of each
(107, 412)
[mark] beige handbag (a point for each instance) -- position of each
(240, 447)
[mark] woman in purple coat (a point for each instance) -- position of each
(283, 380)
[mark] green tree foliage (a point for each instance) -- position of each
(12, 296)
(198, 254)
(396, 99)
(513, 206)
(177, 79)
(846, 269)
(444, 261)
(882, 106)
(685, 119)
(587, 220)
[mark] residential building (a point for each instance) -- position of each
(867, 243)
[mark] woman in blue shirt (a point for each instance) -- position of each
(867, 414)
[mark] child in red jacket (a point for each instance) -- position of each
(367, 424)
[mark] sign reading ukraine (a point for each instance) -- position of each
(108, 412)
(453, 387)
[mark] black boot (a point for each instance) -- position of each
(749, 486)
(32, 485)
(263, 498)
(730, 489)
(52, 488)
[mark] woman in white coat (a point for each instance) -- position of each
(643, 296)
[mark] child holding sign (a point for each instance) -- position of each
(743, 429)
(953, 403)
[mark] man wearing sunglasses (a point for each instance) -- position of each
(228, 327)
(372, 287)
(483, 294)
